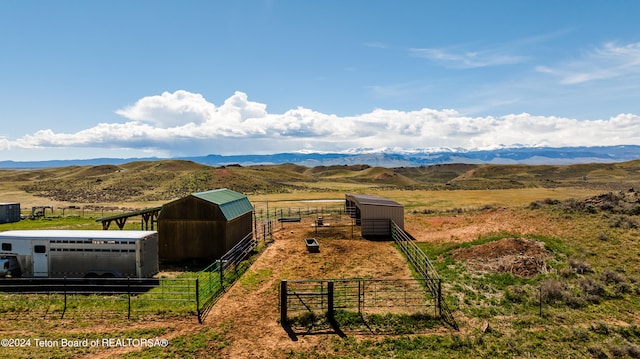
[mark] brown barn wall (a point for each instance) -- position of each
(237, 229)
(191, 228)
(181, 240)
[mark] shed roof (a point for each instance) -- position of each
(374, 200)
(231, 203)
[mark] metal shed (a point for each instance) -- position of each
(374, 214)
(9, 212)
(203, 225)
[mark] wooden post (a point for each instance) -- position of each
(128, 299)
(64, 310)
(198, 301)
(221, 273)
(330, 313)
(439, 297)
(540, 298)
(360, 296)
(283, 302)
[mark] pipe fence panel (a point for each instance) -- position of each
(425, 269)
(89, 298)
(364, 296)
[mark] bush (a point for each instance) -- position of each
(612, 277)
(573, 300)
(593, 289)
(627, 349)
(535, 205)
(579, 266)
(618, 282)
(600, 328)
(516, 294)
(552, 290)
(596, 351)
(633, 351)
(581, 335)
(624, 222)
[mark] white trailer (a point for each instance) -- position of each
(78, 254)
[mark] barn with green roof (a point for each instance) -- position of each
(203, 225)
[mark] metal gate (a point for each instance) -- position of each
(406, 296)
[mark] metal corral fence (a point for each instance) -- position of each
(263, 229)
(93, 298)
(193, 294)
(220, 274)
(314, 209)
(366, 296)
(425, 269)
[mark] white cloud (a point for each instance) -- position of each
(609, 61)
(170, 109)
(183, 123)
(467, 59)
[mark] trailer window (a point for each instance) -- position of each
(6, 246)
(40, 249)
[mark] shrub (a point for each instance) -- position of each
(579, 266)
(613, 277)
(573, 300)
(618, 281)
(624, 222)
(581, 335)
(633, 351)
(627, 349)
(544, 202)
(600, 328)
(552, 290)
(516, 294)
(596, 351)
(535, 205)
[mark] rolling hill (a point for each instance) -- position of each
(149, 181)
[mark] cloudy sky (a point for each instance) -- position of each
(119, 78)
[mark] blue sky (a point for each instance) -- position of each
(83, 79)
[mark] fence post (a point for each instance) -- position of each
(283, 302)
(64, 310)
(439, 297)
(209, 281)
(198, 300)
(128, 299)
(330, 314)
(540, 299)
(221, 274)
(359, 297)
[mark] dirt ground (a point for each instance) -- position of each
(248, 312)
(255, 313)
(466, 227)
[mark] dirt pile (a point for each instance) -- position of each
(519, 256)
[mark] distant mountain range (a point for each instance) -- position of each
(386, 158)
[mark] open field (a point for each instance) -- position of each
(529, 271)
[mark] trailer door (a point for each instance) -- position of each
(40, 258)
